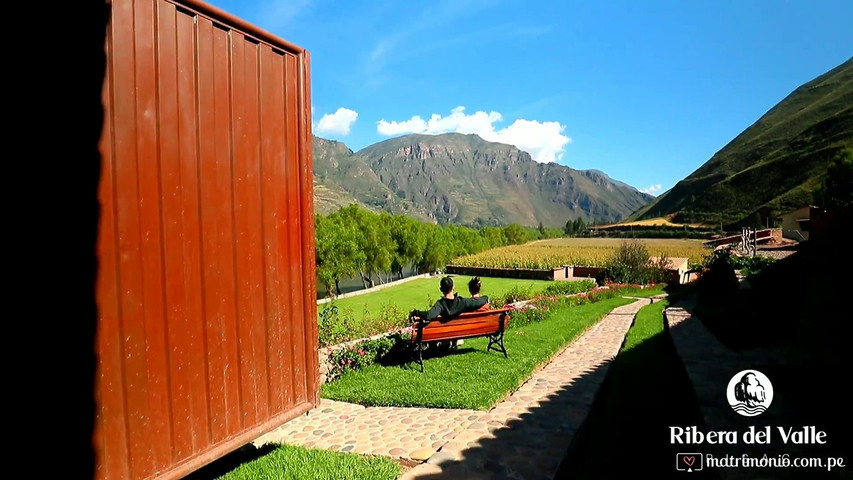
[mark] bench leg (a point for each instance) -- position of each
(497, 341)
(421, 356)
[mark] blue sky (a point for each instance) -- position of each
(644, 91)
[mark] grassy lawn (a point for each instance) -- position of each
(645, 292)
(646, 391)
(470, 377)
(288, 462)
(422, 293)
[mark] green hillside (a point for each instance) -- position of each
(776, 163)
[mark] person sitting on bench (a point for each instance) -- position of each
(474, 286)
(450, 305)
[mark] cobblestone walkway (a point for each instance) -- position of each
(525, 436)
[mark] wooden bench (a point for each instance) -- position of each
(486, 323)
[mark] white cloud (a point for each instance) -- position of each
(544, 141)
(653, 190)
(337, 123)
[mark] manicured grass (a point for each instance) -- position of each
(470, 377)
(422, 293)
(289, 462)
(645, 292)
(646, 391)
(649, 322)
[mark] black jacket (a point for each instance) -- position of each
(447, 308)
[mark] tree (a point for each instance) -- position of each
(493, 237)
(406, 234)
(436, 252)
(337, 252)
(374, 240)
(464, 240)
(382, 247)
(575, 227)
(515, 234)
(579, 226)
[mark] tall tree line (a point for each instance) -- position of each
(378, 247)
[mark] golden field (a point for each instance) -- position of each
(577, 251)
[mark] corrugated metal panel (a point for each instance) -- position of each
(207, 324)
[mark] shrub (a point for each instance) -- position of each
(358, 356)
(569, 288)
(749, 265)
(390, 318)
(515, 294)
(631, 264)
(718, 281)
(532, 311)
(334, 326)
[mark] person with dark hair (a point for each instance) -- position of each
(474, 286)
(450, 305)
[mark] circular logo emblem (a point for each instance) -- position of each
(750, 393)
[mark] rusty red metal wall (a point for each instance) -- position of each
(206, 283)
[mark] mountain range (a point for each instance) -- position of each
(775, 164)
(463, 179)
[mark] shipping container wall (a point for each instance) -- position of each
(205, 291)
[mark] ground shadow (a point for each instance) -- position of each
(405, 354)
(797, 301)
(229, 462)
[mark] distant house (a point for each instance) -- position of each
(677, 268)
(796, 224)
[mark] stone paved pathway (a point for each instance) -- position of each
(525, 436)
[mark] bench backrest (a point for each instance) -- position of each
(464, 325)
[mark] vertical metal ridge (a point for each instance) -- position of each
(255, 51)
(231, 154)
(264, 208)
(287, 248)
(300, 277)
(162, 243)
(202, 292)
(135, 160)
(308, 234)
(117, 250)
